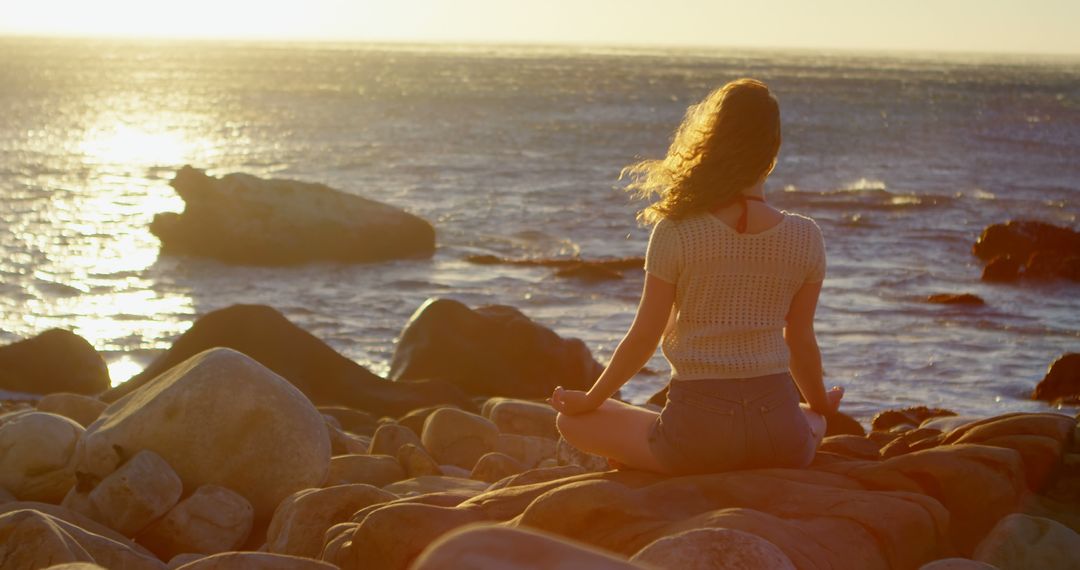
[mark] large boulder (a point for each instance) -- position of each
(323, 375)
(37, 456)
(240, 218)
(219, 418)
(494, 350)
(31, 539)
(1062, 379)
(1029, 248)
(53, 361)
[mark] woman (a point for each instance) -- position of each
(731, 286)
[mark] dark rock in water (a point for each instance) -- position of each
(589, 272)
(323, 375)
(53, 361)
(1002, 269)
(913, 416)
(1062, 380)
(492, 351)
(1022, 238)
(1052, 265)
(956, 299)
(243, 219)
(619, 264)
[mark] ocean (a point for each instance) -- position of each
(516, 152)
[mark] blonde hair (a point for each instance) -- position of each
(726, 143)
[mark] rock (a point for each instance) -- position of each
(1039, 439)
(6, 497)
(524, 418)
(956, 299)
(538, 475)
(957, 564)
(415, 419)
(323, 375)
(76, 566)
(435, 484)
(416, 461)
(31, 533)
(455, 471)
(219, 418)
(345, 443)
(353, 421)
(1062, 379)
(376, 470)
(567, 454)
(378, 542)
(913, 416)
(301, 521)
(457, 437)
(491, 351)
(530, 450)
(851, 446)
(587, 271)
(708, 548)
(82, 409)
(947, 423)
(1002, 269)
(213, 519)
(1021, 541)
(494, 466)
(53, 361)
(75, 519)
(389, 438)
(144, 488)
(37, 455)
(913, 440)
(492, 547)
(243, 219)
(181, 559)
(1052, 265)
(255, 561)
(1023, 238)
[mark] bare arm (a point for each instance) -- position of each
(802, 342)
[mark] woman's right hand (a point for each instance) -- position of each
(571, 402)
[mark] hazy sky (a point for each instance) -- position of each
(1026, 26)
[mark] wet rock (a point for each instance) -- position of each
(376, 470)
(1002, 269)
(708, 548)
(301, 521)
(37, 456)
(144, 488)
(219, 418)
(956, 299)
(379, 543)
(492, 547)
(913, 416)
(491, 351)
(1062, 379)
(213, 519)
(1020, 541)
(416, 461)
(243, 219)
(1023, 238)
(494, 466)
(255, 561)
(1052, 265)
(63, 542)
(53, 361)
(82, 409)
(523, 417)
(389, 438)
(323, 375)
(458, 438)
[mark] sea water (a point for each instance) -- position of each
(516, 152)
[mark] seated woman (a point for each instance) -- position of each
(731, 286)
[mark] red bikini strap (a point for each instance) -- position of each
(740, 226)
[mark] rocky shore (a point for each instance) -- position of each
(252, 444)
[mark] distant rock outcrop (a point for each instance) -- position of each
(53, 361)
(1062, 380)
(1028, 249)
(242, 219)
(494, 350)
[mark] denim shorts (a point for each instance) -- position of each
(732, 423)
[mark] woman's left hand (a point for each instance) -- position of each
(571, 402)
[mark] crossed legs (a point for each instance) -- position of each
(615, 430)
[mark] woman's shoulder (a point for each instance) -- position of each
(801, 221)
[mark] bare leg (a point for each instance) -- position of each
(615, 430)
(816, 420)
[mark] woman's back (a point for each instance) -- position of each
(733, 291)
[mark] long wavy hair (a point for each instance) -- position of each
(726, 143)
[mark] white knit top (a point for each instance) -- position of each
(733, 292)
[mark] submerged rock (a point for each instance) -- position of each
(956, 299)
(53, 361)
(240, 218)
(494, 350)
(218, 418)
(321, 373)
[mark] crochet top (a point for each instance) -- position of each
(733, 292)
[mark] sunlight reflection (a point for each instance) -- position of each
(122, 369)
(130, 146)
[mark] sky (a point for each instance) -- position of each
(979, 26)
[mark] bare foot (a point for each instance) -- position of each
(834, 395)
